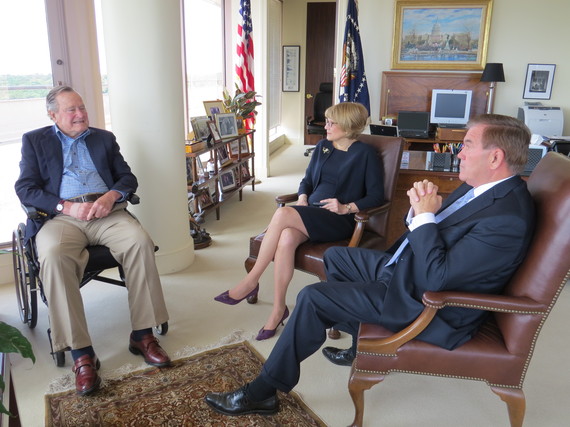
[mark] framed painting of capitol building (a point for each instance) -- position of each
(441, 35)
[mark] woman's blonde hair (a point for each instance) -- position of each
(352, 117)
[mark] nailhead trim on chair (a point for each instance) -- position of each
(485, 308)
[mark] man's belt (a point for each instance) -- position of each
(85, 198)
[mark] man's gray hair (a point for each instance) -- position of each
(51, 102)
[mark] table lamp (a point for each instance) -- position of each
(492, 73)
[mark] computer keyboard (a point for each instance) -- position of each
(451, 126)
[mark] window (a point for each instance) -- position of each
(274, 66)
(25, 79)
(204, 53)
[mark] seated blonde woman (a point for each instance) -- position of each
(343, 177)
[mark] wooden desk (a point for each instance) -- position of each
(415, 171)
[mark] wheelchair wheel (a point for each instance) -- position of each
(161, 329)
(59, 358)
(24, 279)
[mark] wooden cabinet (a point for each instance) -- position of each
(233, 169)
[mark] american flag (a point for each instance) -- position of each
(353, 84)
(244, 67)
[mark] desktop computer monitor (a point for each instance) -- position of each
(450, 108)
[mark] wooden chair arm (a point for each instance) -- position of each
(361, 219)
(392, 343)
(286, 198)
(438, 300)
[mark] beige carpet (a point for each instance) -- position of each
(174, 396)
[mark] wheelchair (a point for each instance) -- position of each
(29, 286)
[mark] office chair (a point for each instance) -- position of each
(27, 273)
(316, 123)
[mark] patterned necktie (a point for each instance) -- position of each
(462, 201)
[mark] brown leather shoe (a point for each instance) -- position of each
(86, 378)
(149, 348)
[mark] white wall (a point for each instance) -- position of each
(521, 33)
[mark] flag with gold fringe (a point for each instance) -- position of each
(353, 84)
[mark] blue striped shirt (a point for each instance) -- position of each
(80, 175)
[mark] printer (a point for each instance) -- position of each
(541, 120)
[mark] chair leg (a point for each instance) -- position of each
(357, 384)
(516, 403)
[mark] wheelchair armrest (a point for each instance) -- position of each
(286, 198)
(133, 198)
(32, 212)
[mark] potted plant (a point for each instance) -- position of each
(243, 104)
(12, 341)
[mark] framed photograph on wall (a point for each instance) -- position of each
(441, 35)
(291, 62)
(200, 128)
(538, 82)
(227, 180)
(214, 107)
(227, 125)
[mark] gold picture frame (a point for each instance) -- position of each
(214, 107)
(441, 35)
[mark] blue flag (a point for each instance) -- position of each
(353, 84)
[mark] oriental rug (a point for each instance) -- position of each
(174, 396)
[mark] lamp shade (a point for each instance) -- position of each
(493, 72)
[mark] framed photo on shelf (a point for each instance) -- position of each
(227, 125)
(227, 180)
(291, 61)
(539, 79)
(214, 107)
(204, 198)
(214, 131)
(223, 157)
(238, 146)
(200, 128)
(244, 170)
(441, 35)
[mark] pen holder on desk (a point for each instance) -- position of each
(455, 162)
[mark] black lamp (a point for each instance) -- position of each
(492, 73)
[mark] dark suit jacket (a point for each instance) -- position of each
(361, 179)
(475, 249)
(41, 169)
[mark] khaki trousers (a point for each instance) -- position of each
(62, 253)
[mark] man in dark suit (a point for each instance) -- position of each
(76, 175)
(475, 247)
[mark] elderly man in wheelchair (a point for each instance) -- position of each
(77, 180)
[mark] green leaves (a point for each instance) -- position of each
(12, 341)
(242, 103)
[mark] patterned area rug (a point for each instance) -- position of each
(175, 396)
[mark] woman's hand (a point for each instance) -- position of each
(303, 200)
(333, 205)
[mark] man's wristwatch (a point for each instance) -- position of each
(59, 207)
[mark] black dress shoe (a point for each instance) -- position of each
(339, 356)
(237, 402)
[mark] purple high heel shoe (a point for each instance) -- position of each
(268, 333)
(225, 297)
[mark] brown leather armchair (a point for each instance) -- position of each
(371, 224)
(500, 352)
